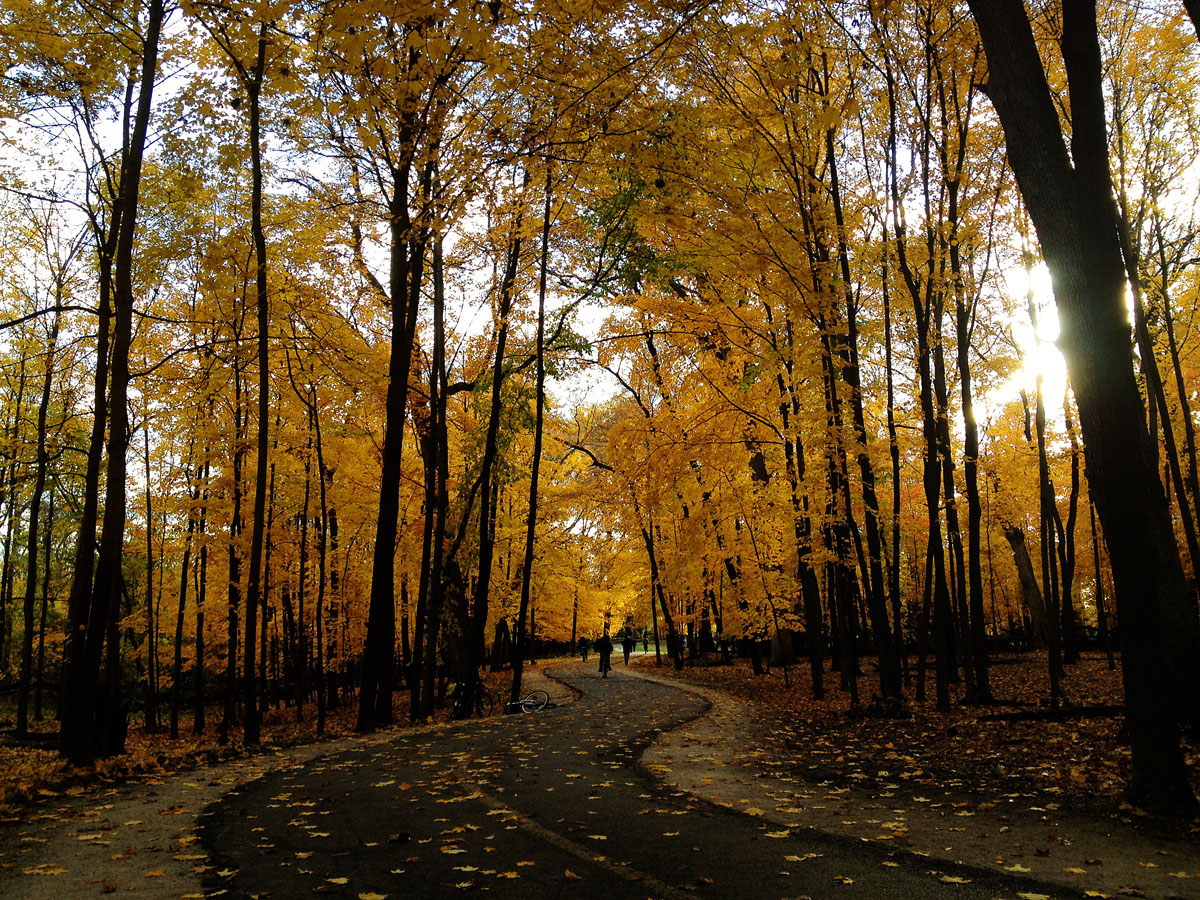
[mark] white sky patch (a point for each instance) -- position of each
(1039, 352)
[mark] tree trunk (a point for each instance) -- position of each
(408, 241)
(41, 650)
(253, 81)
(177, 670)
(1030, 591)
(35, 502)
(490, 449)
(233, 594)
(201, 595)
(152, 723)
(876, 590)
(1070, 200)
(108, 731)
(535, 470)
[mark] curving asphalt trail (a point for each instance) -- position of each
(550, 805)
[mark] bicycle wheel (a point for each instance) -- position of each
(535, 701)
(485, 703)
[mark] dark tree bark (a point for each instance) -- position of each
(322, 561)
(201, 596)
(151, 700)
(41, 649)
(93, 723)
(1101, 612)
(302, 645)
(656, 585)
(964, 318)
(253, 81)
(1066, 549)
(75, 720)
(875, 587)
(177, 670)
(1047, 512)
(1070, 199)
(491, 443)
(894, 448)
(233, 592)
(41, 467)
(434, 561)
(1030, 591)
(523, 642)
(408, 245)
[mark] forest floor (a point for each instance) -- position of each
(1017, 745)
(1013, 746)
(1035, 799)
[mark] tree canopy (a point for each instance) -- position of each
(350, 347)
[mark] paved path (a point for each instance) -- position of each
(636, 789)
(548, 805)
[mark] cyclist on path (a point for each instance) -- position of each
(604, 647)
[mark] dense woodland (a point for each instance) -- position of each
(349, 347)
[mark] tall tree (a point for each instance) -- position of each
(95, 723)
(1069, 193)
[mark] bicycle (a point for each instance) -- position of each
(472, 699)
(535, 701)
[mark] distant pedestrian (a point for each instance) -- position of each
(604, 647)
(583, 647)
(627, 644)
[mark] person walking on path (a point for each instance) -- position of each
(627, 646)
(604, 647)
(583, 647)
